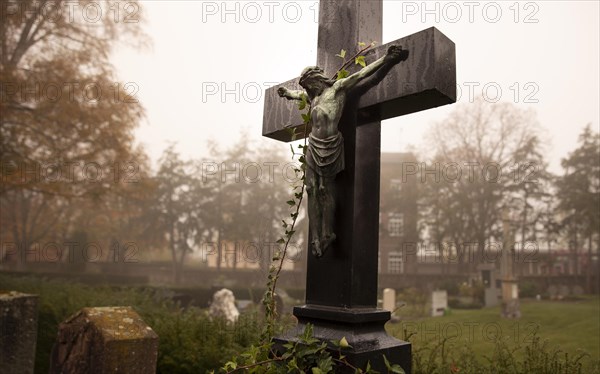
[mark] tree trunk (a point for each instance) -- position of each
(588, 268)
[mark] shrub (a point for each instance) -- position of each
(189, 341)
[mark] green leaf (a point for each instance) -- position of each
(362, 44)
(306, 118)
(393, 368)
(281, 241)
(291, 202)
(303, 102)
(360, 60)
(342, 74)
(386, 362)
(316, 371)
(326, 364)
(230, 365)
(342, 54)
(344, 343)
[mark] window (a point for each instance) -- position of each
(396, 224)
(395, 264)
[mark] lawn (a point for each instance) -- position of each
(570, 326)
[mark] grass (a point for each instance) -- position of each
(569, 326)
(192, 343)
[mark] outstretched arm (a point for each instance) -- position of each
(291, 94)
(393, 56)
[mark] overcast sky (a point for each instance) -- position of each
(543, 55)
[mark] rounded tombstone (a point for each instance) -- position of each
(223, 306)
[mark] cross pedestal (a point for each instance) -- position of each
(341, 286)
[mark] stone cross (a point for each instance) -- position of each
(341, 287)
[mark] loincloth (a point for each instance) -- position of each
(326, 156)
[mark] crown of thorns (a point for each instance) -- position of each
(309, 71)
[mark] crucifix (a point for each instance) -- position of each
(341, 284)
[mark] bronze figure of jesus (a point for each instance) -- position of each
(325, 155)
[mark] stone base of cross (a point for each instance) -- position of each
(341, 286)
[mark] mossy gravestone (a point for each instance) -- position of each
(18, 332)
(105, 340)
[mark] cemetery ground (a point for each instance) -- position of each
(570, 326)
(189, 342)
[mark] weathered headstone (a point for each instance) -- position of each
(341, 286)
(223, 306)
(488, 277)
(105, 340)
(439, 303)
(18, 332)
(491, 297)
(389, 299)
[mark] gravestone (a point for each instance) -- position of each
(490, 297)
(488, 277)
(439, 303)
(389, 299)
(104, 340)
(18, 332)
(341, 286)
(223, 306)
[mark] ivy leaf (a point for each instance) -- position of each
(362, 45)
(393, 368)
(231, 365)
(360, 60)
(344, 342)
(386, 362)
(342, 54)
(303, 103)
(294, 134)
(342, 74)
(326, 364)
(306, 118)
